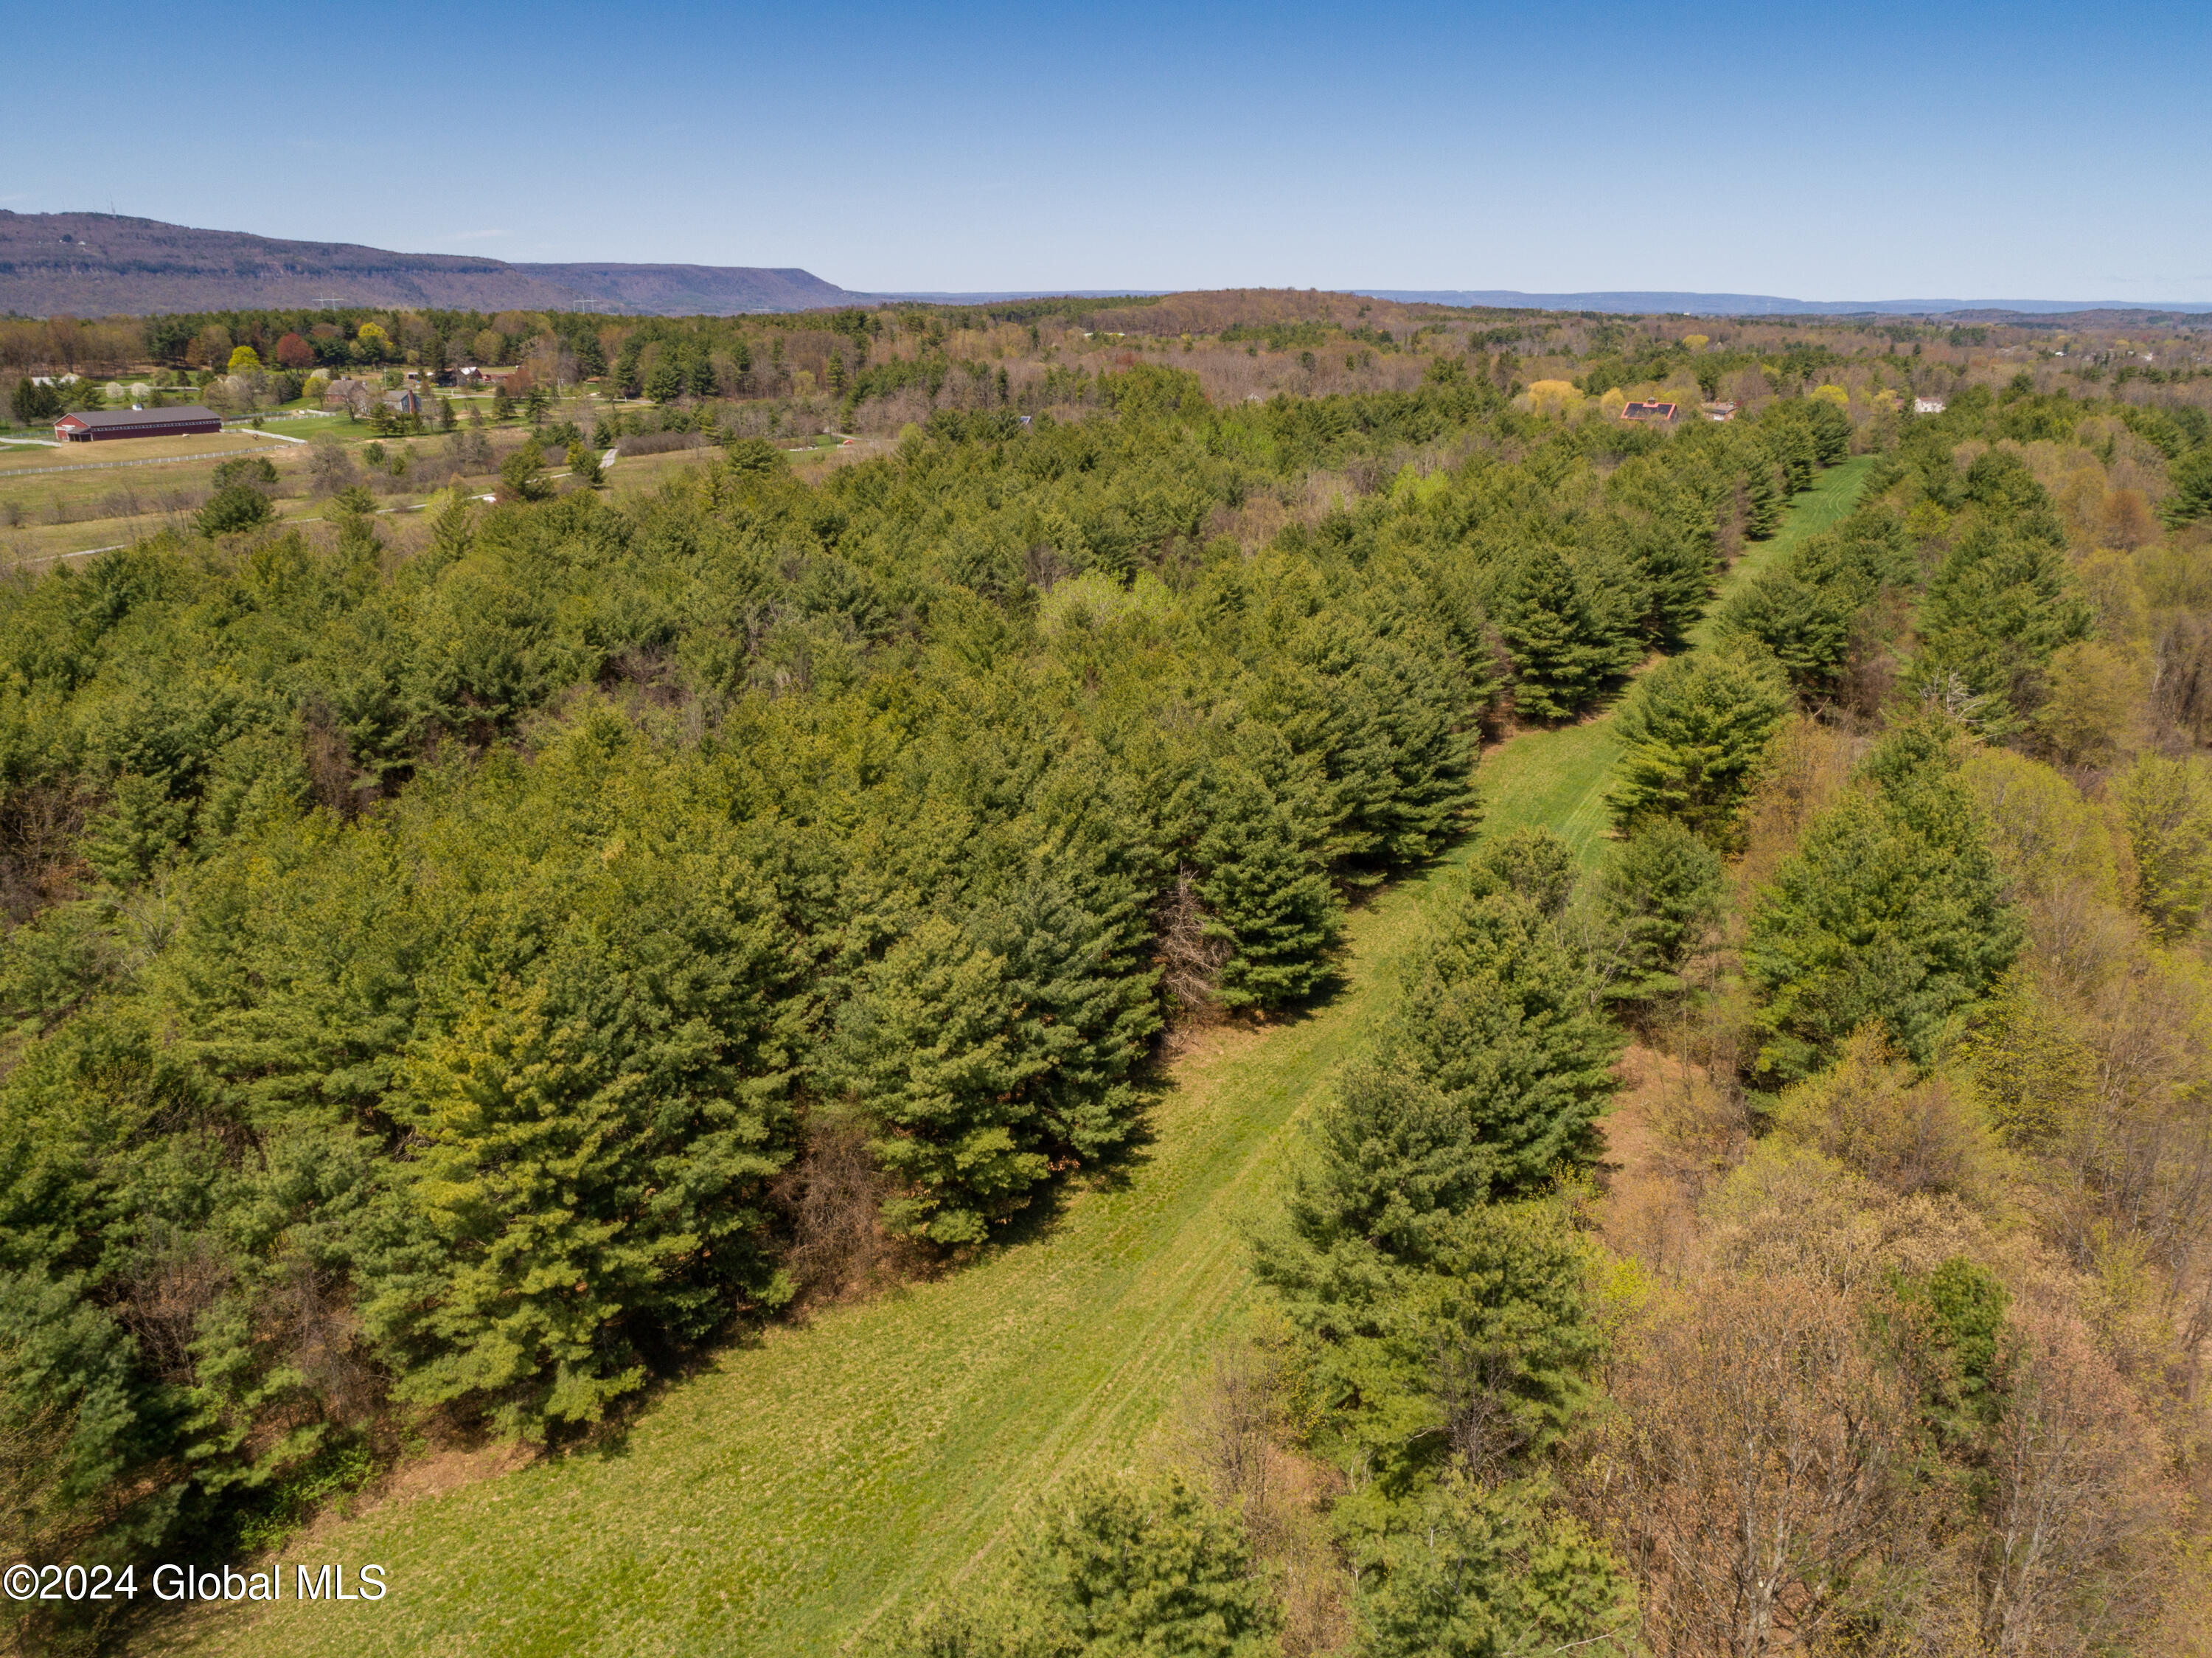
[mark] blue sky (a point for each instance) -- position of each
(1824, 152)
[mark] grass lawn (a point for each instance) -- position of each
(117, 450)
(802, 1489)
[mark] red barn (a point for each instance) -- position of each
(93, 424)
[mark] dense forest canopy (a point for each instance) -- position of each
(448, 964)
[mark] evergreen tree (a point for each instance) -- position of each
(1663, 891)
(1891, 909)
(1391, 1159)
(1806, 626)
(1269, 901)
(1695, 733)
(1083, 1010)
(1476, 1570)
(926, 1047)
(2002, 600)
(1420, 715)
(1115, 1565)
(1481, 1353)
(1496, 1015)
(592, 1157)
(2191, 477)
(1531, 862)
(1764, 495)
(522, 474)
(1803, 612)
(1564, 651)
(240, 506)
(33, 405)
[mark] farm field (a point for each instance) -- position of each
(804, 1488)
(118, 451)
(45, 515)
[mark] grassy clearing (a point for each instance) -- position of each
(805, 1488)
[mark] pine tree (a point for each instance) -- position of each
(1564, 651)
(1891, 909)
(927, 1048)
(1764, 495)
(1431, 749)
(2002, 600)
(522, 474)
(2191, 477)
(1392, 1159)
(591, 1162)
(1472, 1570)
(1481, 1351)
(1805, 624)
(1270, 901)
(1496, 1015)
(1532, 863)
(1695, 733)
(1664, 892)
(1113, 1564)
(1082, 1006)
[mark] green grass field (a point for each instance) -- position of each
(802, 1488)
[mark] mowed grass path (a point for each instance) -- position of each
(1557, 778)
(806, 1488)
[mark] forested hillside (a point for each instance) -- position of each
(457, 977)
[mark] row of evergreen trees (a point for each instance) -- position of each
(426, 975)
(1444, 1308)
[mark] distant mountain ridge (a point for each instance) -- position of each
(695, 290)
(105, 264)
(1752, 305)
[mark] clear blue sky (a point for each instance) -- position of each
(1820, 151)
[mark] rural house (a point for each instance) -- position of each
(352, 394)
(1927, 406)
(406, 401)
(92, 425)
(1648, 411)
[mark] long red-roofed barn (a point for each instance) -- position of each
(92, 425)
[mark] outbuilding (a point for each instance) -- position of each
(92, 425)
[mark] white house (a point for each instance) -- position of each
(1927, 406)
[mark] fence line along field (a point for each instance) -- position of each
(122, 451)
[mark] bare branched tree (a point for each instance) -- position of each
(1754, 1477)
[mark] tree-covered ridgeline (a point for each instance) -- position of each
(426, 978)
